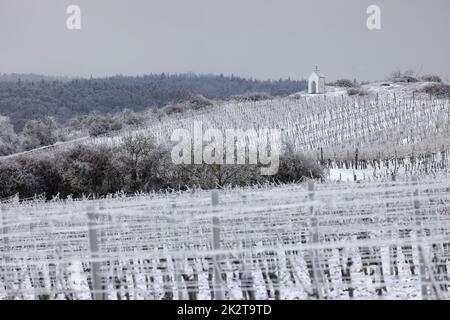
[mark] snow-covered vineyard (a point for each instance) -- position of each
(379, 239)
(382, 127)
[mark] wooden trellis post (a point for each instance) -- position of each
(5, 241)
(6, 259)
(177, 264)
(218, 292)
(321, 157)
(419, 231)
(98, 288)
(317, 274)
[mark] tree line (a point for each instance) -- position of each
(31, 99)
(138, 164)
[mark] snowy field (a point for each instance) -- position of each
(382, 126)
(386, 240)
(384, 237)
(390, 122)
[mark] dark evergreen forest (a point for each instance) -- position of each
(28, 97)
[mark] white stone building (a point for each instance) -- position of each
(316, 82)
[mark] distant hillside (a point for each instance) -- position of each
(23, 98)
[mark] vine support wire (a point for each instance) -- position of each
(293, 227)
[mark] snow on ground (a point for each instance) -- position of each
(267, 234)
(348, 175)
(140, 238)
(331, 91)
(388, 123)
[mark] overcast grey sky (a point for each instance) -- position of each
(253, 38)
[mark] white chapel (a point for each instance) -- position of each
(316, 82)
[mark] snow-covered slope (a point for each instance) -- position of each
(390, 121)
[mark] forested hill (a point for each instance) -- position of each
(23, 100)
(30, 77)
